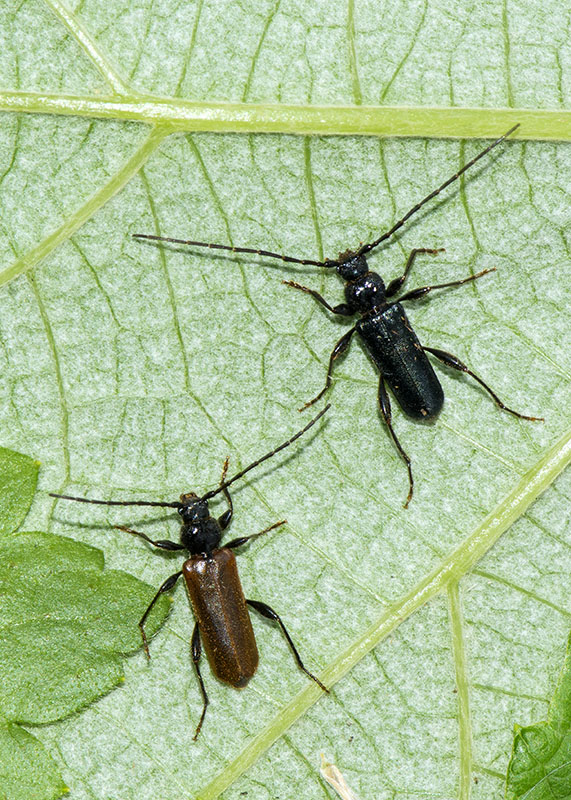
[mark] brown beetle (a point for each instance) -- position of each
(213, 584)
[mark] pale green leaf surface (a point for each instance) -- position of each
(18, 479)
(540, 766)
(132, 371)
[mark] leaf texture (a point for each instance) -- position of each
(132, 371)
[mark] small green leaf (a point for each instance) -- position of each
(27, 772)
(65, 624)
(540, 766)
(18, 479)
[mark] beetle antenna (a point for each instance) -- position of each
(366, 248)
(211, 246)
(208, 495)
(272, 453)
(116, 502)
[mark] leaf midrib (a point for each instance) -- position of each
(437, 122)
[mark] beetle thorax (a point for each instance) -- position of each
(366, 293)
(202, 537)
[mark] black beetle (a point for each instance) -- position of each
(384, 327)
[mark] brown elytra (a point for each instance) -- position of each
(220, 609)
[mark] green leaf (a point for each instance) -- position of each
(64, 649)
(18, 479)
(65, 627)
(132, 371)
(27, 772)
(540, 766)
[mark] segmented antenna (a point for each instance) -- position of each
(211, 246)
(209, 494)
(272, 453)
(365, 248)
(116, 502)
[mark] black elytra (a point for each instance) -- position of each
(212, 581)
(383, 325)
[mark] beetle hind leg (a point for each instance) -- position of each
(196, 648)
(455, 363)
(269, 613)
(385, 406)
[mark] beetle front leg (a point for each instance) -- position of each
(337, 351)
(455, 363)
(397, 283)
(162, 544)
(344, 309)
(385, 406)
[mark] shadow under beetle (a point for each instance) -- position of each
(383, 325)
(213, 584)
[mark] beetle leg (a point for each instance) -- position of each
(225, 519)
(196, 648)
(338, 350)
(396, 284)
(344, 309)
(243, 539)
(385, 406)
(164, 587)
(163, 544)
(414, 294)
(455, 363)
(269, 613)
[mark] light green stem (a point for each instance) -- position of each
(466, 123)
(450, 570)
(462, 691)
(88, 45)
(75, 221)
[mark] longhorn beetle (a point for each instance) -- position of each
(384, 327)
(213, 583)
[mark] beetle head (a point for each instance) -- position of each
(351, 266)
(193, 508)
